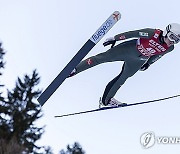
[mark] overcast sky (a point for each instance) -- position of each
(46, 34)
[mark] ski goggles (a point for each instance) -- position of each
(173, 37)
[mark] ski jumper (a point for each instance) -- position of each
(145, 47)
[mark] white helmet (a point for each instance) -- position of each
(172, 32)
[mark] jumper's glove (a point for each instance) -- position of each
(110, 41)
(144, 67)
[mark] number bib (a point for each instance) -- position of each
(151, 46)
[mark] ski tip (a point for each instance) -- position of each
(117, 15)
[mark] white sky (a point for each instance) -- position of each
(46, 34)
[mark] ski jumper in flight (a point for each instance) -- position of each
(146, 47)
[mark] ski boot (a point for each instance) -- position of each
(112, 103)
(72, 73)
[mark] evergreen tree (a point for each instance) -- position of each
(74, 149)
(1, 65)
(23, 112)
(18, 113)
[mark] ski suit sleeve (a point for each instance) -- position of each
(142, 33)
(154, 58)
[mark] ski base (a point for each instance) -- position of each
(96, 37)
(120, 106)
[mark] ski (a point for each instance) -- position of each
(96, 37)
(121, 106)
